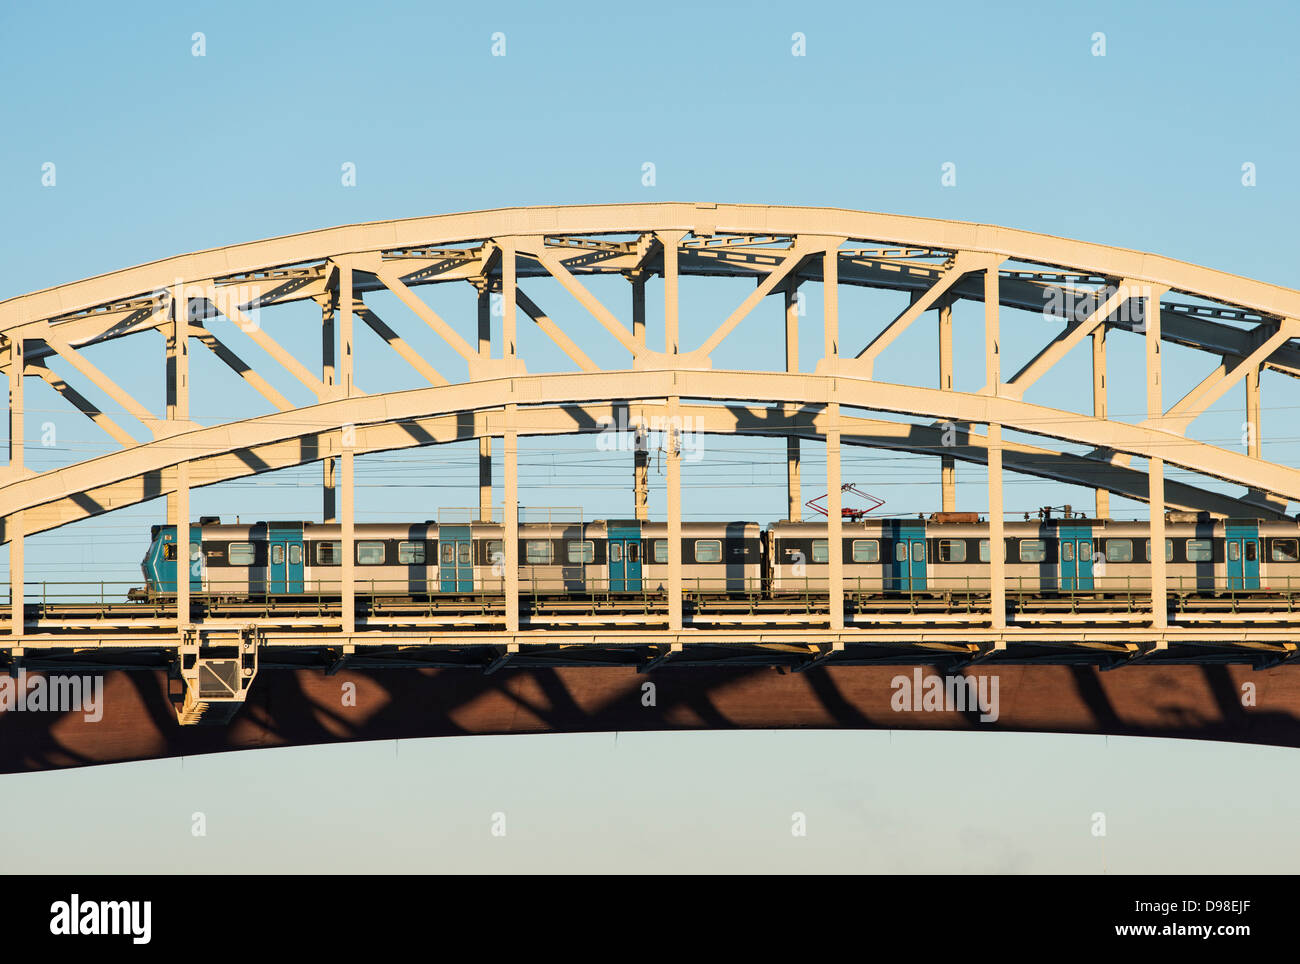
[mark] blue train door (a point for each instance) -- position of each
(907, 571)
(624, 556)
(284, 557)
(1075, 557)
(455, 559)
(169, 564)
(1242, 556)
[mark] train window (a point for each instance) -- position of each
(241, 553)
(496, 550)
(1251, 550)
(584, 551)
(952, 550)
(634, 552)
(1169, 550)
(866, 550)
(277, 555)
(328, 553)
(464, 553)
(1033, 550)
(295, 555)
(1200, 550)
(410, 553)
(1067, 551)
(537, 552)
(1285, 550)
(169, 552)
(370, 553)
(708, 550)
(1234, 550)
(821, 551)
(1119, 550)
(900, 552)
(984, 550)
(448, 553)
(616, 552)
(661, 551)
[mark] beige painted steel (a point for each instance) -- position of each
(17, 468)
(834, 518)
(1156, 464)
(994, 385)
(672, 439)
(174, 334)
(578, 388)
(347, 514)
(947, 464)
(640, 455)
(964, 638)
(794, 499)
(1099, 404)
(834, 477)
(779, 247)
(328, 352)
(510, 513)
(1253, 429)
(551, 420)
(1218, 382)
(592, 219)
(997, 557)
(1039, 365)
(180, 414)
(184, 558)
(963, 264)
(485, 442)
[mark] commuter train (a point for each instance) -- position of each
(948, 553)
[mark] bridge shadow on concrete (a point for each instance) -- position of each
(303, 707)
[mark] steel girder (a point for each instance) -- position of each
(571, 404)
(557, 390)
(778, 246)
(1091, 288)
(751, 420)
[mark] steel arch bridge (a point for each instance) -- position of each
(1078, 291)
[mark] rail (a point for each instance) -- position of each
(558, 585)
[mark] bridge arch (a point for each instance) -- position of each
(1080, 290)
(475, 411)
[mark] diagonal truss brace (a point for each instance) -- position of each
(225, 303)
(557, 335)
(1219, 381)
(84, 405)
(240, 367)
(392, 280)
(803, 247)
(157, 427)
(363, 311)
(1072, 335)
(963, 264)
(536, 246)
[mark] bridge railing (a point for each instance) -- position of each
(549, 587)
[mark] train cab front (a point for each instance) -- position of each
(158, 564)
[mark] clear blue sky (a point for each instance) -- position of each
(158, 152)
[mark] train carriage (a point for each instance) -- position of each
(946, 554)
(718, 558)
